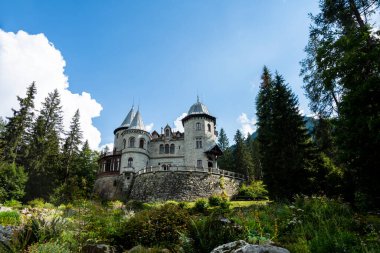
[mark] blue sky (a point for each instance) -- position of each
(161, 54)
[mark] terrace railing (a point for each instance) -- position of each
(214, 171)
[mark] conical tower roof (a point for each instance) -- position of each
(128, 120)
(137, 122)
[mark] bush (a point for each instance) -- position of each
(156, 227)
(206, 233)
(48, 247)
(215, 200)
(12, 181)
(38, 203)
(256, 190)
(9, 218)
(200, 205)
(13, 203)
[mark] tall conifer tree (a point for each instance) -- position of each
(283, 138)
(44, 158)
(15, 138)
(242, 157)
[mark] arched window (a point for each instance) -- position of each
(124, 143)
(132, 142)
(161, 148)
(166, 148)
(142, 141)
(172, 148)
(130, 162)
(209, 127)
(198, 126)
(167, 132)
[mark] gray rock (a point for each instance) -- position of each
(6, 233)
(244, 247)
(98, 248)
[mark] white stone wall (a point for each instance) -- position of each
(139, 155)
(192, 154)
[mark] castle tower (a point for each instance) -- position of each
(200, 137)
(134, 146)
(118, 140)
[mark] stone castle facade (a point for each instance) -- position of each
(138, 155)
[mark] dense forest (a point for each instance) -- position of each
(310, 175)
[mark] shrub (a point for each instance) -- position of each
(256, 190)
(200, 205)
(11, 218)
(182, 204)
(158, 226)
(13, 203)
(206, 233)
(12, 181)
(215, 200)
(48, 247)
(225, 204)
(38, 202)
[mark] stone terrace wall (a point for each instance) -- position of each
(181, 186)
(108, 186)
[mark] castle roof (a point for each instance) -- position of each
(128, 120)
(198, 108)
(137, 122)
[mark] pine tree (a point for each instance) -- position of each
(44, 156)
(242, 157)
(284, 143)
(225, 161)
(71, 147)
(342, 75)
(14, 140)
(223, 140)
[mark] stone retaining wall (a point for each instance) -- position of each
(181, 186)
(109, 187)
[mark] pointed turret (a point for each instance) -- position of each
(137, 122)
(128, 120)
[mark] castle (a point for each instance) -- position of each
(138, 155)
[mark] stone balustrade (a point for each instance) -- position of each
(214, 171)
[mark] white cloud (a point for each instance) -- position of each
(149, 127)
(25, 58)
(247, 125)
(178, 123)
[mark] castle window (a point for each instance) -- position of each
(124, 143)
(198, 142)
(198, 126)
(199, 163)
(132, 142)
(130, 162)
(167, 132)
(142, 143)
(209, 127)
(161, 148)
(166, 148)
(172, 149)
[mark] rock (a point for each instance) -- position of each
(6, 233)
(244, 247)
(98, 248)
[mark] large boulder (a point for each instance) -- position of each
(98, 248)
(244, 247)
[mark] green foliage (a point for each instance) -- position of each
(206, 233)
(14, 139)
(38, 202)
(342, 74)
(158, 226)
(242, 157)
(10, 218)
(214, 200)
(200, 205)
(48, 247)
(13, 203)
(12, 181)
(256, 190)
(285, 147)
